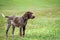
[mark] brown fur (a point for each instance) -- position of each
(18, 22)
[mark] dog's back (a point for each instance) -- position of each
(9, 17)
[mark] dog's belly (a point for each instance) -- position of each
(15, 24)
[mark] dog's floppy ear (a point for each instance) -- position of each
(28, 15)
(25, 15)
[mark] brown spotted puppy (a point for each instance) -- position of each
(19, 22)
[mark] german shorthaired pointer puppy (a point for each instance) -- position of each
(19, 22)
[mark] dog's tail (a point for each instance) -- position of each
(5, 16)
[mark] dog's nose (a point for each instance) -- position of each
(33, 17)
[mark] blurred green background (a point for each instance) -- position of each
(45, 26)
(28, 4)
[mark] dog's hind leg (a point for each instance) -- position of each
(7, 27)
(13, 28)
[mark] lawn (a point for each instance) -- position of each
(45, 26)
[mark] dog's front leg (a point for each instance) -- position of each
(13, 28)
(21, 31)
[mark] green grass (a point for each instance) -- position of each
(45, 26)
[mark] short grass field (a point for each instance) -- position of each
(45, 26)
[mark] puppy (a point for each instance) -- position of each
(17, 21)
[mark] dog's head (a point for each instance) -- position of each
(29, 15)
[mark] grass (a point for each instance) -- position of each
(45, 26)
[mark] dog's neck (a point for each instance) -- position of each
(25, 19)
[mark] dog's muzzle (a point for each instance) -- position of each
(33, 17)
